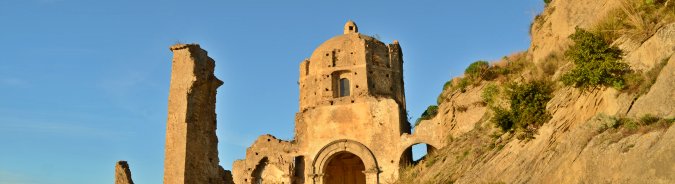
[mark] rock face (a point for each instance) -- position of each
(575, 145)
(191, 152)
(660, 100)
(122, 173)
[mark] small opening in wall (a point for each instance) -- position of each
(256, 153)
(351, 28)
(357, 86)
(344, 87)
(351, 53)
(327, 54)
(331, 102)
(355, 73)
(352, 101)
(326, 89)
(268, 140)
(387, 75)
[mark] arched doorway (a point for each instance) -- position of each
(344, 168)
(335, 151)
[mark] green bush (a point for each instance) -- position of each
(596, 63)
(502, 118)
(489, 93)
(527, 106)
(447, 85)
(431, 112)
(547, 1)
(479, 70)
(462, 84)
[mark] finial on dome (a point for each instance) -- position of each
(350, 27)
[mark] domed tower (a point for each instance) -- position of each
(352, 109)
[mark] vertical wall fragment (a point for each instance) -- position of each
(191, 152)
(122, 173)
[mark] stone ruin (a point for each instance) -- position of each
(351, 126)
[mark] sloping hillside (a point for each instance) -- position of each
(591, 101)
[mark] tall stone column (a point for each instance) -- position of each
(191, 151)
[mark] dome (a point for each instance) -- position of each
(349, 40)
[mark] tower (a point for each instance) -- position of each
(352, 107)
(351, 125)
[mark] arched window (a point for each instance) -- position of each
(344, 87)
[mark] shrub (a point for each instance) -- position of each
(648, 119)
(462, 84)
(489, 93)
(447, 85)
(431, 112)
(479, 70)
(502, 118)
(527, 107)
(596, 63)
(514, 64)
(547, 1)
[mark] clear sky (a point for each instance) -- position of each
(84, 83)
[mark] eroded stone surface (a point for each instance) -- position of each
(123, 173)
(342, 128)
(191, 152)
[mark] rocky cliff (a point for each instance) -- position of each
(593, 135)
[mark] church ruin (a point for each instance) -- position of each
(352, 124)
(351, 127)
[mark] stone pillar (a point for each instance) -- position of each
(122, 173)
(191, 152)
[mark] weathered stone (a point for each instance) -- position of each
(352, 124)
(191, 155)
(660, 100)
(122, 173)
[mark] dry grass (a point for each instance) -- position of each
(636, 19)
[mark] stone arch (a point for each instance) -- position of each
(406, 152)
(325, 154)
(256, 174)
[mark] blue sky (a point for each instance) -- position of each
(84, 83)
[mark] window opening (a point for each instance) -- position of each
(344, 87)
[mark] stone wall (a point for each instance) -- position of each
(122, 173)
(191, 154)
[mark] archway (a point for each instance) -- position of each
(337, 149)
(344, 168)
(266, 172)
(257, 173)
(415, 153)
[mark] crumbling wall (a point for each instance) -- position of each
(122, 173)
(191, 154)
(269, 160)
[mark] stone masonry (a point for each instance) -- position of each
(191, 152)
(351, 126)
(122, 173)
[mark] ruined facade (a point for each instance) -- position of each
(191, 150)
(351, 126)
